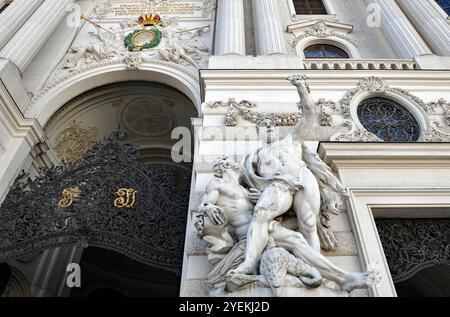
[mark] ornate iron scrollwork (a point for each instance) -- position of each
(411, 245)
(388, 120)
(33, 217)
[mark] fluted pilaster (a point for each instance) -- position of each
(14, 16)
(27, 42)
(400, 33)
(270, 39)
(429, 23)
(230, 28)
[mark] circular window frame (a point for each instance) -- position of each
(418, 114)
(413, 138)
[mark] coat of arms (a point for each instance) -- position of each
(147, 37)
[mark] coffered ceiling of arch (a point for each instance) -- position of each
(146, 112)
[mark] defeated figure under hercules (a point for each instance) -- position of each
(248, 242)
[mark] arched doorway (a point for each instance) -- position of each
(430, 282)
(147, 113)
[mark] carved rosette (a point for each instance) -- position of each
(147, 117)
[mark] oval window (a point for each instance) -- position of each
(388, 120)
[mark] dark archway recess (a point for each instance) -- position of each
(415, 250)
(430, 282)
(5, 275)
(151, 232)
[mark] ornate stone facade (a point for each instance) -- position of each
(199, 80)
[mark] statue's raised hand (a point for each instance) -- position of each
(300, 82)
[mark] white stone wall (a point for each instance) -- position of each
(273, 94)
(36, 86)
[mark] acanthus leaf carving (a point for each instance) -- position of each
(440, 106)
(133, 61)
(321, 29)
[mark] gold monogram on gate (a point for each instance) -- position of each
(126, 198)
(68, 197)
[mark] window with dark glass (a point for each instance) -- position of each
(388, 120)
(325, 51)
(309, 7)
(445, 5)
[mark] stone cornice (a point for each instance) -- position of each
(382, 155)
(414, 80)
(17, 125)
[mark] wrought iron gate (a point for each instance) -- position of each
(106, 200)
(411, 245)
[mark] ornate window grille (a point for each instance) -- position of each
(309, 7)
(325, 51)
(388, 120)
(412, 245)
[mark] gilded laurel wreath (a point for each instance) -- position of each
(133, 44)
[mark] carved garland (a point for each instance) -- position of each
(243, 108)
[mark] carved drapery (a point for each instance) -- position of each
(75, 205)
(411, 245)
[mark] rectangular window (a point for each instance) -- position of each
(445, 5)
(309, 7)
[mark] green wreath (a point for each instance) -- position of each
(153, 43)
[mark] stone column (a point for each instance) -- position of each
(429, 23)
(27, 42)
(230, 28)
(402, 36)
(14, 16)
(270, 38)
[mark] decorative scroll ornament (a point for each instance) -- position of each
(243, 108)
(412, 245)
(441, 106)
(376, 86)
(127, 198)
(133, 61)
(321, 29)
(434, 134)
(31, 220)
(326, 108)
(69, 195)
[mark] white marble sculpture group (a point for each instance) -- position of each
(242, 216)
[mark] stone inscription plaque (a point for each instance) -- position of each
(192, 8)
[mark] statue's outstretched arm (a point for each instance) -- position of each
(302, 129)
